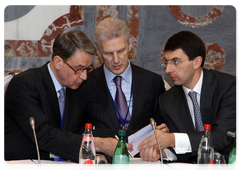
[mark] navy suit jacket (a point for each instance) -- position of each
(32, 94)
(218, 108)
(99, 108)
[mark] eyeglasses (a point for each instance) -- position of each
(175, 62)
(79, 71)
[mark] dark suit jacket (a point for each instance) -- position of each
(32, 94)
(218, 108)
(99, 109)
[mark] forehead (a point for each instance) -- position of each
(176, 54)
(114, 44)
(80, 58)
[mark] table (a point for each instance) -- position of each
(135, 164)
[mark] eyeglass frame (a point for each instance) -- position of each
(79, 71)
(173, 61)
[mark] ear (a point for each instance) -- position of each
(197, 62)
(130, 45)
(98, 53)
(57, 60)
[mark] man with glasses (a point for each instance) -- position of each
(199, 97)
(50, 95)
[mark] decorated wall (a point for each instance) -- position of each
(29, 32)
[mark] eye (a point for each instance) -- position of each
(120, 51)
(176, 62)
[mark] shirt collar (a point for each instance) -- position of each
(126, 75)
(57, 85)
(197, 88)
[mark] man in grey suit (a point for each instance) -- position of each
(215, 94)
(35, 93)
(141, 87)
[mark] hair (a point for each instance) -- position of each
(189, 42)
(110, 28)
(67, 43)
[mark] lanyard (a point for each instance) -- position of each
(122, 122)
(62, 117)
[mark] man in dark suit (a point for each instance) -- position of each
(215, 92)
(141, 87)
(35, 93)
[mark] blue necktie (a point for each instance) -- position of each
(121, 101)
(197, 113)
(61, 102)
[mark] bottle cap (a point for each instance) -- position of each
(237, 134)
(121, 132)
(88, 126)
(207, 126)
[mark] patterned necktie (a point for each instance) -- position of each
(197, 113)
(121, 101)
(61, 101)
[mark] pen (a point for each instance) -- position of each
(128, 150)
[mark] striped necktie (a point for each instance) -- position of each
(121, 101)
(197, 113)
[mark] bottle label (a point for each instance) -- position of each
(87, 138)
(121, 159)
(87, 164)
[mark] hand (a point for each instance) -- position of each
(163, 127)
(106, 145)
(129, 147)
(165, 140)
(150, 154)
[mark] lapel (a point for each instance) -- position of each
(181, 114)
(100, 87)
(206, 96)
(138, 86)
(51, 95)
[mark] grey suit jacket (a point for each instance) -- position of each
(218, 108)
(32, 94)
(99, 109)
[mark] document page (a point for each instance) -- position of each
(139, 136)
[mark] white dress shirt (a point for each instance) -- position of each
(182, 142)
(57, 85)
(126, 84)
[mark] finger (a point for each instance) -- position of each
(147, 142)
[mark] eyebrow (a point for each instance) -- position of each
(174, 58)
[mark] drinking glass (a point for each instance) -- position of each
(100, 159)
(219, 162)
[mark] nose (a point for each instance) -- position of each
(115, 58)
(168, 68)
(83, 75)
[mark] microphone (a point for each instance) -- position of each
(32, 123)
(152, 122)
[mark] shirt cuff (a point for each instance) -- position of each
(182, 143)
(170, 156)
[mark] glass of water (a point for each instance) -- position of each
(100, 159)
(219, 159)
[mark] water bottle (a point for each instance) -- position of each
(87, 151)
(205, 150)
(234, 157)
(121, 155)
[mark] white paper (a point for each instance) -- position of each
(140, 136)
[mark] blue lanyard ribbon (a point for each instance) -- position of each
(120, 117)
